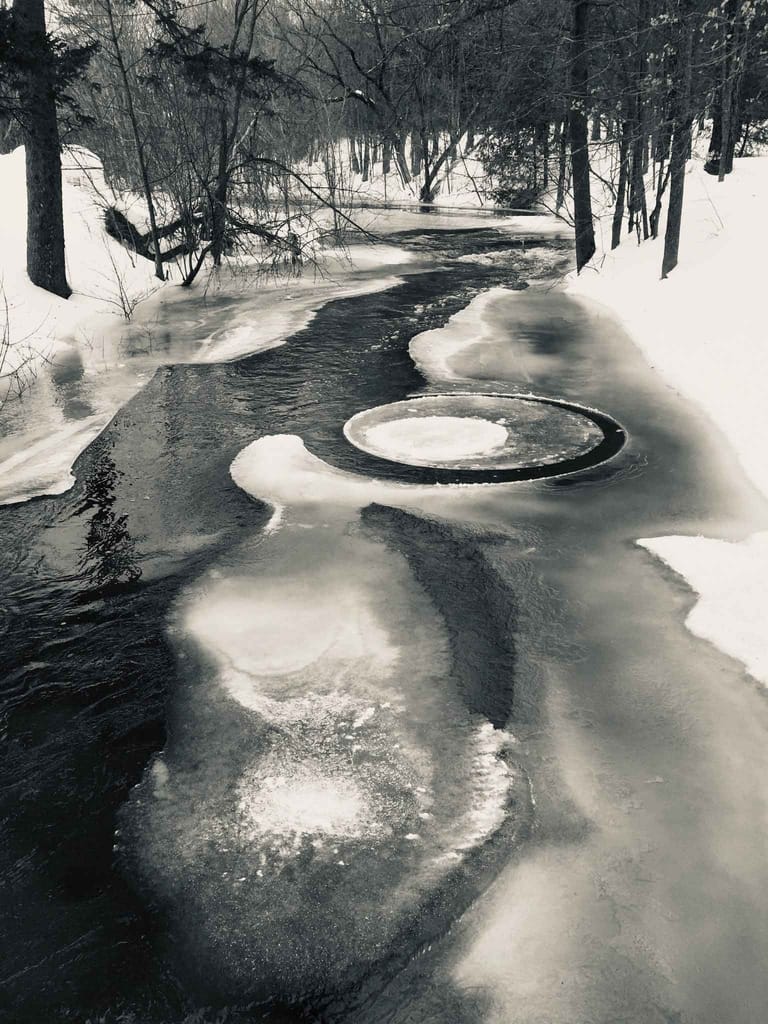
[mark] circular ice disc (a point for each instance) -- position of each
(437, 438)
(475, 432)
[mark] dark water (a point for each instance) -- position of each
(89, 580)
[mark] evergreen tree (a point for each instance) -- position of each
(36, 71)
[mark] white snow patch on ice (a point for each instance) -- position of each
(490, 779)
(280, 631)
(435, 438)
(304, 801)
(432, 351)
(730, 580)
(278, 469)
(45, 466)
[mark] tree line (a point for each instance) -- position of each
(211, 109)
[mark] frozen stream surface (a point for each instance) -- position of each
(297, 730)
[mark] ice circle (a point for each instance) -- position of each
(526, 435)
(441, 438)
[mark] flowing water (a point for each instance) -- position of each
(302, 732)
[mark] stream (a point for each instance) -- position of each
(295, 731)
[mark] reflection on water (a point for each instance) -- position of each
(109, 555)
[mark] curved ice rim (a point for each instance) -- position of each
(614, 439)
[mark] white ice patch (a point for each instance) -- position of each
(435, 438)
(280, 632)
(305, 801)
(490, 781)
(433, 351)
(334, 710)
(730, 579)
(280, 470)
(44, 467)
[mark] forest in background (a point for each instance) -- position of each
(212, 110)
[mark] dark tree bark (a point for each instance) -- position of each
(681, 140)
(638, 210)
(398, 148)
(662, 182)
(712, 165)
(219, 199)
(578, 129)
(618, 213)
(45, 219)
(541, 145)
(415, 154)
(562, 165)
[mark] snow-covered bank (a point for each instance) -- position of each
(103, 275)
(702, 329)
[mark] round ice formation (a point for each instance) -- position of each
(479, 432)
(305, 801)
(441, 438)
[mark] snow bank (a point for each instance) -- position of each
(702, 329)
(103, 275)
(731, 582)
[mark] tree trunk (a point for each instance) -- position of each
(398, 148)
(415, 154)
(562, 167)
(578, 127)
(637, 204)
(542, 146)
(618, 213)
(45, 218)
(712, 165)
(661, 185)
(681, 141)
(220, 195)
